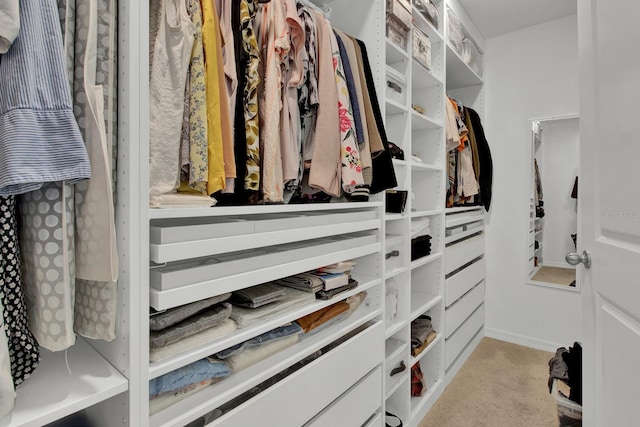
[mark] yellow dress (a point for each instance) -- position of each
(211, 43)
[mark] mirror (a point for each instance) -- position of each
(552, 201)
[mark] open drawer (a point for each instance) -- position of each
(298, 398)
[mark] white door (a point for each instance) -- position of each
(609, 188)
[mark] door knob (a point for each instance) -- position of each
(575, 258)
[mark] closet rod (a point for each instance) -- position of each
(324, 9)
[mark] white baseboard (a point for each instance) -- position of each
(523, 340)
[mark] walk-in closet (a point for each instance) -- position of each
(289, 213)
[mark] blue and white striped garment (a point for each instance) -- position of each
(39, 136)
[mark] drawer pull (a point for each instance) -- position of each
(391, 254)
(399, 369)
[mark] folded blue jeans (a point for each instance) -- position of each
(272, 335)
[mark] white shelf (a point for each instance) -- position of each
(397, 383)
(418, 214)
(393, 107)
(421, 122)
(427, 27)
(395, 53)
(162, 300)
(424, 167)
(396, 272)
(394, 216)
(421, 302)
(539, 232)
(462, 209)
(417, 403)
(430, 347)
(170, 364)
(422, 77)
(169, 213)
(395, 328)
(425, 260)
(459, 74)
(398, 162)
(211, 397)
(52, 392)
(393, 348)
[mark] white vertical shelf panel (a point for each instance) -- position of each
(52, 392)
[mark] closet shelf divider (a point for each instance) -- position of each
(435, 342)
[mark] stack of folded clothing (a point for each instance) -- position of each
(323, 318)
(244, 316)
(257, 296)
(174, 386)
(303, 282)
(188, 326)
(252, 351)
(420, 247)
(422, 334)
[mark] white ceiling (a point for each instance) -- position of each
(496, 17)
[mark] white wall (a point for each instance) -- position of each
(559, 164)
(531, 73)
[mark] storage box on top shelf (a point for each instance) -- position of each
(397, 32)
(421, 47)
(429, 10)
(400, 10)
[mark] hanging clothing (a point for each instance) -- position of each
(23, 348)
(274, 44)
(293, 78)
(485, 177)
(308, 98)
(226, 124)
(7, 389)
(384, 176)
(225, 8)
(198, 130)
(325, 168)
(365, 147)
(171, 57)
(211, 44)
(351, 173)
(36, 118)
(9, 24)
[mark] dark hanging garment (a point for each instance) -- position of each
(384, 176)
(23, 348)
(486, 163)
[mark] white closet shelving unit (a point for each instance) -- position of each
(109, 380)
(255, 244)
(448, 284)
(464, 253)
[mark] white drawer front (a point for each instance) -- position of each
(461, 282)
(459, 340)
(356, 406)
(295, 400)
(461, 253)
(377, 421)
(458, 312)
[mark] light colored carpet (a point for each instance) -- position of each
(500, 385)
(557, 275)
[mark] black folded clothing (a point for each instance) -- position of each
(420, 247)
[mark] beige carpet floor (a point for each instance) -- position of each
(500, 385)
(557, 275)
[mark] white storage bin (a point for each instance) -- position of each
(396, 86)
(471, 56)
(394, 253)
(421, 47)
(455, 32)
(569, 412)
